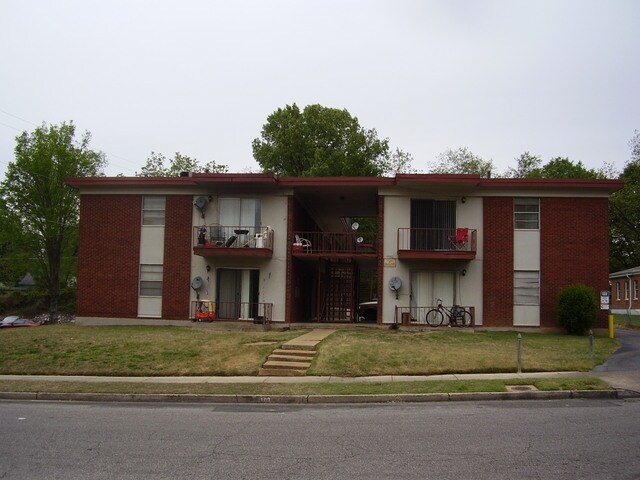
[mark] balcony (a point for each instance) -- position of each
(233, 241)
(437, 243)
(333, 244)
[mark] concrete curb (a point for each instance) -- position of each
(320, 399)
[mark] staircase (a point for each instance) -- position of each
(295, 356)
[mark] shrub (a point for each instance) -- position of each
(577, 308)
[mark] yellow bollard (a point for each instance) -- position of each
(611, 335)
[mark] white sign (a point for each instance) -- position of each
(605, 296)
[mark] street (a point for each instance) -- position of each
(491, 440)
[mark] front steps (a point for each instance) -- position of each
(295, 356)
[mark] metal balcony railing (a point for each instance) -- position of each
(257, 312)
(437, 239)
(227, 236)
(331, 243)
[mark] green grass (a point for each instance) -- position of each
(171, 351)
(382, 352)
(629, 321)
(381, 388)
(134, 350)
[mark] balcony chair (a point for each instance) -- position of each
(460, 240)
(306, 244)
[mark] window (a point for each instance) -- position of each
(526, 213)
(239, 212)
(635, 289)
(151, 280)
(626, 290)
(617, 290)
(153, 207)
(526, 289)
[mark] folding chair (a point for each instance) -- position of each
(460, 239)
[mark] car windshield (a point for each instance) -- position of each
(10, 319)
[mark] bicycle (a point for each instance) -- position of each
(456, 315)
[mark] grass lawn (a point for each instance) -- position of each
(169, 351)
(134, 351)
(383, 352)
(631, 321)
(381, 388)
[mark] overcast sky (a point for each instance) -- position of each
(500, 77)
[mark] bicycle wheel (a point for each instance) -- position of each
(464, 318)
(434, 317)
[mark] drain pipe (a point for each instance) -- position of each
(630, 297)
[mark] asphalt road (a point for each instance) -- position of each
(622, 370)
(586, 439)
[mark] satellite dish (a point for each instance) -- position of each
(196, 283)
(355, 226)
(395, 283)
(201, 204)
(359, 240)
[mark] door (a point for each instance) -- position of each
(235, 213)
(432, 221)
(428, 287)
(238, 293)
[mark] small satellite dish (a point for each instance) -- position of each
(355, 226)
(395, 283)
(196, 283)
(201, 204)
(359, 240)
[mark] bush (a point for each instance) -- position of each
(577, 308)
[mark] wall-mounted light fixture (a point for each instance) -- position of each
(463, 272)
(463, 199)
(208, 268)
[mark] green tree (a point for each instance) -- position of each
(562, 167)
(322, 141)
(156, 166)
(527, 165)
(462, 161)
(624, 214)
(44, 209)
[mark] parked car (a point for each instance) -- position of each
(15, 321)
(368, 311)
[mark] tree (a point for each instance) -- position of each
(462, 161)
(527, 165)
(562, 167)
(624, 214)
(45, 209)
(322, 141)
(155, 166)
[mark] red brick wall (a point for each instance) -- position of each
(498, 262)
(108, 256)
(623, 303)
(574, 248)
(177, 257)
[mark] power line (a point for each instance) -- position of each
(108, 154)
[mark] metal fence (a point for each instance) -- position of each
(257, 312)
(328, 242)
(418, 315)
(437, 239)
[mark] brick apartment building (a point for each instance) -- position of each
(312, 249)
(624, 291)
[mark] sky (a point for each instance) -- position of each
(200, 77)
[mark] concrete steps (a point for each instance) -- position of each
(295, 356)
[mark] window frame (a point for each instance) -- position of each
(635, 289)
(520, 211)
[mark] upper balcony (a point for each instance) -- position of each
(233, 241)
(339, 244)
(437, 243)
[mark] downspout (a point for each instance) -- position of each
(630, 297)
